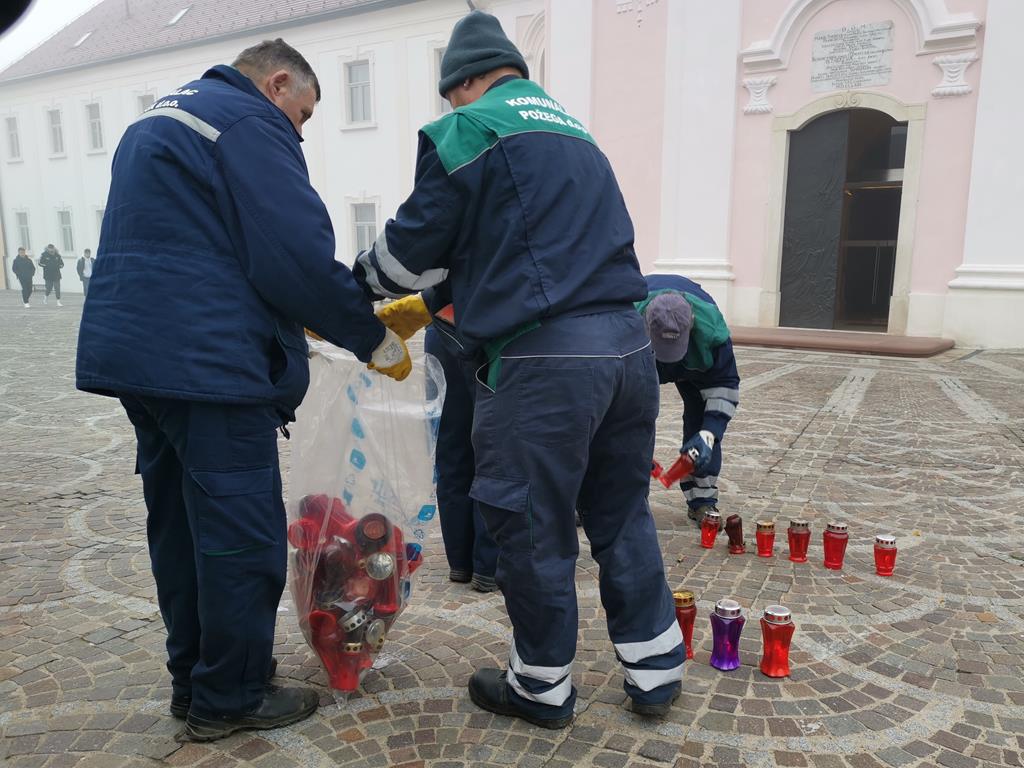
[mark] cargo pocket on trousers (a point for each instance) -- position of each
(235, 510)
(505, 506)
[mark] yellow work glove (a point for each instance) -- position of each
(391, 357)
(405, 316)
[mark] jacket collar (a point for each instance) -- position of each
(233, 77)
(502, 80)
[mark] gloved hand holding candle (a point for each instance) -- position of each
(699, 448)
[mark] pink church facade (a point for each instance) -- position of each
(843, 164)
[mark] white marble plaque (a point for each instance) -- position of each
(852, 57)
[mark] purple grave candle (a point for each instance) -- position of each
(726, 625)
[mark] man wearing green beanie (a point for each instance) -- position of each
(518, 214)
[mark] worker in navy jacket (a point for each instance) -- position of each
(517, 208)
(694, 352)
(471, 551)
(215, 252)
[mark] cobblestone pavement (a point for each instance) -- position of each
(924, 668)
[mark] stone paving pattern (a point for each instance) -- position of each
(925, 668)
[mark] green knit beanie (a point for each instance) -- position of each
(478, 45)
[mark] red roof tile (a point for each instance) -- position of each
(126, 28)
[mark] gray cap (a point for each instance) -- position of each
(669, 319)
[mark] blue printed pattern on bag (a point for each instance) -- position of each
(357, 458)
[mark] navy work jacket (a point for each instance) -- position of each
(517, 208)
(215, 252)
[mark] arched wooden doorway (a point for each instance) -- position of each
(841, 229)
(784, 127)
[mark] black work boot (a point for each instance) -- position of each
(180, 702)
(656, 710)
(483, 583)
(280, 707)
(489, 690)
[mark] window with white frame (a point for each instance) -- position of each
(443, 106)
(364, 223)
(67, 237)
(360, 91)
(95, 123)
(145, 101)
(53, 119)
(24, 237)
(13, 140)
(99, 222)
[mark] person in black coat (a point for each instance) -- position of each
(23, 270)
(52, 264)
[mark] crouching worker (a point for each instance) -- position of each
(517, 208)
(215, 252)
(694, 352)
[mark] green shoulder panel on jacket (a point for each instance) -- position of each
(518, 106)
(459, 140)
(708, 333)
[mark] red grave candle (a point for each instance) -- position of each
(683, 467)
(709, 529)
(765, 536)
(777, 629)
(686, 612)
(835, 539)
(799, 535)
(734, 530)
(885, 555)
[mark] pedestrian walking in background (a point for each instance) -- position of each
(85, 270)
(51, 263)
(24, 269)
(208, 357)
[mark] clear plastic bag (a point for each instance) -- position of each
(361, 496)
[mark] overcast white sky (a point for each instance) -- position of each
(43, 19)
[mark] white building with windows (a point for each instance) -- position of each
(837, 165)
(66, 104)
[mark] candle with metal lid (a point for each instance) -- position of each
(777, 629)
(835, 539)
(799, 535)
(885, 555)
(765, 536)
(726, 625)
(709, 529)
(686, 612)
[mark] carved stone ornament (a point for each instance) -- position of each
(847, 100)
(634, 6)
(954, 69)
(758, 87)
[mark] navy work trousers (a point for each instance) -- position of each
(217, 542)
(701, 488)
(571, 425)
(467, 544)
